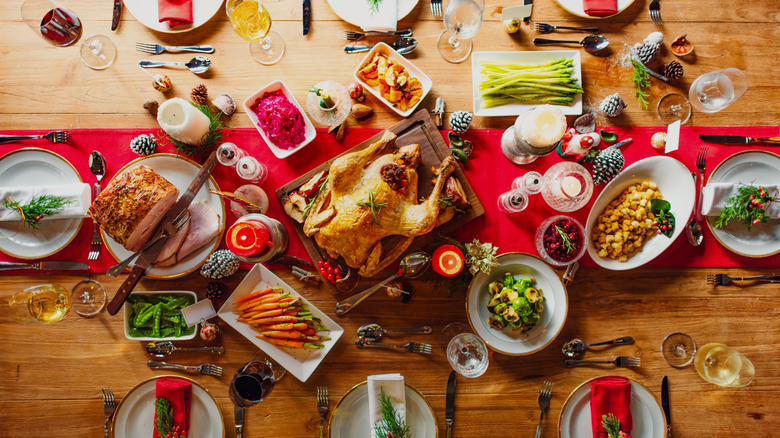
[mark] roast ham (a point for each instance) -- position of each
(204, 227)
(167, 255)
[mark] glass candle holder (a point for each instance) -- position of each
(568, 186)
(534, 134)
(513, 201)
(252, 170)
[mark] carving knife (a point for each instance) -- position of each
(736, 139)
(46, 266)
(117, 14)
(306, 16)
(150, 254)
(665, 406)
(449, 408)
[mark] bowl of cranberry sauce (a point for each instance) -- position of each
(560, 240)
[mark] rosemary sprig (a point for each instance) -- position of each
(641, 79)
(747, 206)
(317, 195)
(375, 207)
(38, 207)
(209, 140)
(163, 423)
(566, 241)
(392, 423)
(447, 202)
(611, 424)
(373, 6)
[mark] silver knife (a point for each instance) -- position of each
(306, 16)
(521, 12)
(449, 407)
(46, 266)
(238, 413)
(665, 405)
(117, 14)
(736, 139)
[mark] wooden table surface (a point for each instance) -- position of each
(51, 375)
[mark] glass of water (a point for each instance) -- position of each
(468, 355)
(712, 92)
(463, 19)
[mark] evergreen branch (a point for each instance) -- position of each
(38, 207)
(392, 424)
(209, 141)
(163, 422)
(566, 241)
(641, 79)
(373, 6)
(748, 206)
(611, 424)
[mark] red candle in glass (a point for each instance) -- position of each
(448, 260)
(248, 238)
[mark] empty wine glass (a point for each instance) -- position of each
(468, 355)
(463, 19)
(678, 349)
(56, 24)
(87, 298)
(252, 22)
(711, 92)
(673, 107)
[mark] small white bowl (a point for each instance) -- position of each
(414, 72)
(127, 309)
(309, 133)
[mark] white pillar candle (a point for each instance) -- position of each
(182, 121)
(543, 126)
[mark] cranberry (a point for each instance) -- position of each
(329, 269)
(331, 278)
(337, 272)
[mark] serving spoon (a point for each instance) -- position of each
(375, 331)
(197, 65)
(166, 348)
(403, 45)
(576, 346)
(591, 43)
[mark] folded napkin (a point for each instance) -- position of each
(79, 193)
(179, 395)
(395, 389)
(610, 395)
(600, 8)
(175, 12)
(714, 197)
(384, 19)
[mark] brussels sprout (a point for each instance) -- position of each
(516, 325)
(521, 306)
(538, 307)
(495, 287)
(531, 318)
(501, 308)
(532, 295)
(494, 301)
(526, 327)
(509, 280)
(497, 322)
(507, 295)
(510, 315)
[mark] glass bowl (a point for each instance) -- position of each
(539, 239)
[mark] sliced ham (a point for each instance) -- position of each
(172, 246)
(204, 227)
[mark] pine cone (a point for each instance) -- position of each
(215, 290)
(143, 145)
(673, 70)
(199, 94)
(460, 121)
(647, 52)
(612, 105)
(608, 163)
(220, 264)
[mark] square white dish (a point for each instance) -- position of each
(127, 311)
(415, 72)
(299, 363)
(520, 57)
(309, 134)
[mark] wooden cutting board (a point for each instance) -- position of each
(418, 128)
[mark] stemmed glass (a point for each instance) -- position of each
(463, 19)
(250, 385)
(466, 352)
(678, 349)
(714, 362)
(52, 21)
(87, 298)
(252, 22)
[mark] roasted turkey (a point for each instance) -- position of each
(345, 222)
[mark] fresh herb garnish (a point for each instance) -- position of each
(163, 423)
(373, 6)
(374, 206)
(392, 423)
(317, 195)
(447, 202)
(611, 424)
(748, 206)
(38, 207)
(566, 241)
(209, 140)
(641, 79)
(664, 219)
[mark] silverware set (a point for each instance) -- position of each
(53, 136)
(576, 346)
(353, 35)
(621, 361)
(208, 369)
(545, 394)
(547, 28)
(436, 8)
(97, 165)
(701, 161)
(323, 406)
(723, 279)
(412, 347)
(166, 348)
(109, 407)
(655, 12)
(156, 49)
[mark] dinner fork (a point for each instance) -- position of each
(353, 35)
(723, 279)
(621, 361)
(156, 49)
(208, 369)
(109, 406)
(701, 161)
(544, 402)
(53, 136)
(547, 28)
(436, 8)
(322, 405)
(414, 347)
(655, 12)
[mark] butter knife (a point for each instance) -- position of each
(449, 407)
(46, 266)
(665, 406)
(737, 139)
(117, 14)
(306, 16)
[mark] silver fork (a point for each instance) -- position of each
(436, 8)
(353, 35)
(544, 401)
(547, 28)
(109, 406)
(53, 136)
(701, 161)
(655, 12)
(322, 405)
(621, 361)
(723, 279)
(208, 369)
(156, 49)
(414, 347)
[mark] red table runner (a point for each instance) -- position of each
(489, 172)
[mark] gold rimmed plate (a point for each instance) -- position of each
(576, 7)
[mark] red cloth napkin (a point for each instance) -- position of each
(175, 12)
(610, 395)
(179, 395)
(600, 8)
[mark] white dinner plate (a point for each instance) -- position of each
(350, 417)
(648, 418)
(553, 316)
(358, 15)
(524, 58)
(33, 167)
(134, 417)
(575, 7)
(145, 11)
(180, 172)
(676, 185)
(748, 167)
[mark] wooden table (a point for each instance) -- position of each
(51, 376)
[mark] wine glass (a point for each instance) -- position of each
(463, 19)
(252, 22)
(44, 304)
(53, 22)
(250, 385)
(87, 298)
(714, 91)
(673, 107)
(468, 355)
(723, 366)
(678, 349)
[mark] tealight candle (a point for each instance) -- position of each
(182, 121)
(534, 134)
(568, 186)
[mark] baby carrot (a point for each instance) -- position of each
(287, 326)
(255, 294)
(283, 342)
(280, 334)
(268, 314)
(278, 319)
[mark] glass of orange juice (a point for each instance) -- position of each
(44, 304)
(252, 22)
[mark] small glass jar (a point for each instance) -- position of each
(228, 154)
(568, 186)
(551, 247)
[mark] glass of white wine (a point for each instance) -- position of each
(724, 366)
(44, 304)
(252, 22)
(463, 18)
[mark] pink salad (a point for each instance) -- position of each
(280, 119)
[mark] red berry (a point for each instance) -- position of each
(339, 277)
(756, 222)
(326, 264)
(586, 141)
(175, 434)
(336, 271)
(751, 196)
(323, 272)
(760, 205)
(320, 263)
(754, 202)
(330, 269)
(167, 435)
(331, 278)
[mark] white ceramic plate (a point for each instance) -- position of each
(748, 167)
(347, 11)
(300, 363)
(350, 416)
(414, 72)
(128, 309)
(145, 11)
(134, 417)
(575, 7)
(30, 167)
(648, 418)
(676, 186)
(553, 317)
(528, 58)
(180, 172)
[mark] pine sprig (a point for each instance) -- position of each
(209, 140)
(375, 207)
(373, 6)
(747, 206)
(611, 424)
(392, 423)
(38, 207)
(641, 79)
(163, 422)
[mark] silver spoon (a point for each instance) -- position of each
(375, 332)
(693, 231)
(591, 43)
(197, 65)
(576, 346)
(166, 348)
(403, 45)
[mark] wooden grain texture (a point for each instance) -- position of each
(50, 377)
